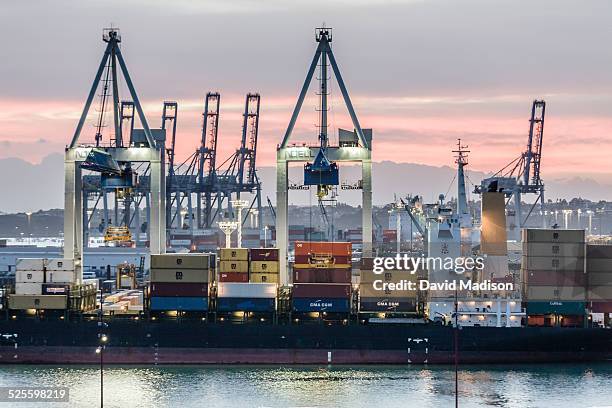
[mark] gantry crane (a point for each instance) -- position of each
(323, 171)
(114, 162)
(522, 175)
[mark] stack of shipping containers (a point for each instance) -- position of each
(554, 277)
(245, 298)
(234, 291)
(374, 300)
(180, 282)
(599, 270)
(234, 265)
(264, 265)
(322, 277)
(33, 284)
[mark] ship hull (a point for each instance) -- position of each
(51, 342)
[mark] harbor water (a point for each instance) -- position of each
(306, 386)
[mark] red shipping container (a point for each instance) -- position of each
(601, 307)
(556, 278)
(179, 289)
(264, 254)
(322, 275)
(325, 290)
(333, 248)
(234, 277)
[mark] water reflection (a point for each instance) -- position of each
(355, 387)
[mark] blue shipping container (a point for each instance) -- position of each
(556, 307)
(246, 305)
(193, 304)
(338, 305)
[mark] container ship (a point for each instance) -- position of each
(228, 308)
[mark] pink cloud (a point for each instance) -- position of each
(572, 144)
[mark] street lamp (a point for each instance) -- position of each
(265, 236)
(100, 350)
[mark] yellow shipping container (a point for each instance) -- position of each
(264, 266)
(21, 302)
(263, 277)
(234, 266)
(234, 254)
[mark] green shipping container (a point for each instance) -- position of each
(560, 307)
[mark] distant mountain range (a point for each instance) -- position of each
(31, 187)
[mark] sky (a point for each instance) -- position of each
(420, 73)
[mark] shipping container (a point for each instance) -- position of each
(600, 278)
(537, 293)
(60, 276)
(28, 288)
(382, 304)
(599, 251)
(321, 275)
(368, 276)
(30, 276)
(370, 289)
(556, 307)
(553, 235)
(554, 249)
(183, 275)
(190, 304)
(22, 302)
(264, 266)
(600, 293)
(332, 248)
(555, 278)
(180, 242)
(322, 259)
(601, 307)
(55, 289)
(30, 264)
(263, 277)
(544, 263)
(330, 290)
(233, 266)
(165, 289)
(321, 266)
(246, 290)
(60, 264)
(321, 304)
(599, 265)
(234, 254)
(264, 254)
(241, 304)
(180, 261)
(367, 263)
(233, 277)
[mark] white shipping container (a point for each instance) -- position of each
(30, 276)
(30, 264)
(60, 276)
(28, 288)
(60, 264)
(246, 290)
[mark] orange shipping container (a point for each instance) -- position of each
(333, 248)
